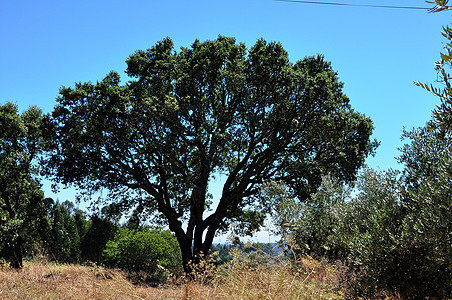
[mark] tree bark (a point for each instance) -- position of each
(186, 251)
(191, 248)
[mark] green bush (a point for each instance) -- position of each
(136, 251)
(399, 243)
(394, 231)
(311, 227)
(398, 228)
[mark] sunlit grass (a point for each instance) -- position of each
(243, 278)
(261, 277)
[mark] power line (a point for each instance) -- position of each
(350, 4)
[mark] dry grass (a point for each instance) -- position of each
(243, 278)
(262, 278)
(42, 280)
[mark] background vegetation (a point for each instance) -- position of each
(392, 230)
(291, 146)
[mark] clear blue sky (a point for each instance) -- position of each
(378, 53)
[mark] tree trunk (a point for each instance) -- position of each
(16, 257)
(191, 255)
(186, 251)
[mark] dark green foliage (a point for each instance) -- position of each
(400, 241)
(158, 140)
(144, 250)
(11, 247)
(81, 223)
(58, 239)
(372, 234)
(394, 234)
(135, 220)
(99, 232)
(428, 204)
(23, 209)
(223, 252)
(21, 236)
(37, 222)
(63, 239)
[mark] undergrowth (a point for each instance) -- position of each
(256, 275)
(247, 276)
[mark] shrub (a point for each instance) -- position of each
(311, 227)
(137, 251)
(393, 237)
(399, 242)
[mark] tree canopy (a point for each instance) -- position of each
(214, 108)
(23, 209)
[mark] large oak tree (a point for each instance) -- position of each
(214, 108)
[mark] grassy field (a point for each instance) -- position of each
(241, 279)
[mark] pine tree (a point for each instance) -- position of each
(64, 240)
